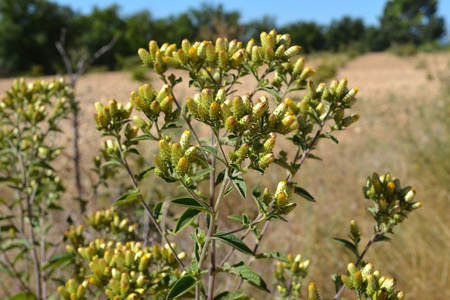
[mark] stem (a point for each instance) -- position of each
(36, 263)
(263, 231)
(212, 186)
(373, 238)
(141, 199)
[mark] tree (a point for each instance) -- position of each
(345, 33)
(308, 34)
(28, 32)
(412, 21)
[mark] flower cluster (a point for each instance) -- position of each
(369, 282)
(289, 274)
(281, 200)
(108, 116)
(174, 156)
(392, 201)
(123, 269)
(223, 53)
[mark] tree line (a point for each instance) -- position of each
(29, 30)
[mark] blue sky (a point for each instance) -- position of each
(320, 11)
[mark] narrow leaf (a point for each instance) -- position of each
(234, 242)
(182, 286)
(192, 203)
(273, 254)
(186, 219)
(239, 183)
(202, 173)
(249, 275)
(302, 192)
(23, 296)
(347, 245)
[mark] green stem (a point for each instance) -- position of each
(142, 201)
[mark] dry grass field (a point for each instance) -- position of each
(404, 128)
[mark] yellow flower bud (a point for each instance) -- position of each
(193, 55)
(165, 150)
(231, 124)
(266, 160)
(221, 44)
(291, 52)
(298, 67)
(210, 53)
(214, 111)
(269, 54)
(186, 46)
(166, 105)
(223, 59)
(145, 57)
(341, 87)
(176, 153)
(350, 120)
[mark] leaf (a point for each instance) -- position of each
(237, 295)
(157, 211)
(347, 245)
(239, 183)
(202, 173)
(193, 203)
(210, 150)
(144, 137)
(249, 275)
(186, 219)
(58, 259)
(111, 163)
(182, 286)
(229, 190)
(127, 197)
(132, 150)
(302, 192)
(382, 238)
(23, 296)
(256, 191)
(330, 137)
(144, 173)
(273, 254)
(234, 242)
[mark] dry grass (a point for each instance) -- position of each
(399, 131)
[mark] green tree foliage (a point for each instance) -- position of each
(309, 34)
(412, 21)
(345, 33)
(28, 32)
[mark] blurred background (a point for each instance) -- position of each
(30, 28)
(396, 52)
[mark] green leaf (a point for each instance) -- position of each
(330, 137)
(58, 259)
(249, 275)
(273, 254)
(256, 191)
(157, 211)
(210, 150)
(23, 296)
(144, 137)
(144, 173)
(127, 197)
(182, 286)
(237, 295)
(234, 242)
(239, 183)
(348, 245)
(382, 238)
(132, 150)
(202, 173)
(193, 203)
(229, 190)
(186, 219)
(302, 192)
(111, 163)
